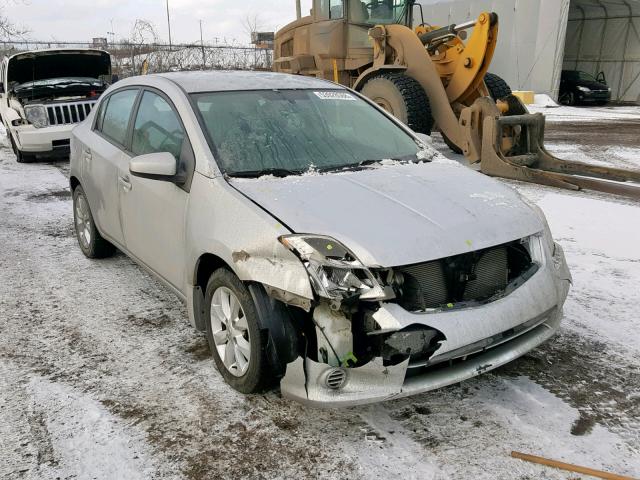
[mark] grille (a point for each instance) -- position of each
(474, 276)
(67, 113)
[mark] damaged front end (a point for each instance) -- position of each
(382, 333)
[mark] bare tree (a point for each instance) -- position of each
(8, 29)
(143, 31)
(252, 24)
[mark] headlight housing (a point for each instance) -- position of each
(584, 89)
(37, 115)
(334, 270)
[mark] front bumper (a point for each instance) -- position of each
(478, 340)
(594, 96)
(46, 140)
(374, 382)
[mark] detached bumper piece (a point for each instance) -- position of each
(322, 385)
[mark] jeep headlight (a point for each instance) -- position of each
(584, 89)
(36, 115)
(334, 270)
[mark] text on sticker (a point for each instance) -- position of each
(334, 95)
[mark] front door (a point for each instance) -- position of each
(153, 211)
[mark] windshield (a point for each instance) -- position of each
(577, 75)
(378, 12)
(585, 77)
(292, 131)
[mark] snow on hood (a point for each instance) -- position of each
(400, 214)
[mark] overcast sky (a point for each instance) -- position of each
(82, 20)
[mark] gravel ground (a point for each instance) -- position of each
(102, 377)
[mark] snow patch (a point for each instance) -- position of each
(88, 441)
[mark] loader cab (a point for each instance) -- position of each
(366, 13)
(333, 41)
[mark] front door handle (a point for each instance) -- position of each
(86, 153)
(125, 182)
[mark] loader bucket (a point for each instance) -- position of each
(529, 161)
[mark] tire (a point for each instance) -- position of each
(91, 242)
(568, 99)
(497, 87)
(403, 97)
(20, 156)
(452, 146)
(246, 368)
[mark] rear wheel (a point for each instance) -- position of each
(403, 97)
(497, 87)
(91, 242)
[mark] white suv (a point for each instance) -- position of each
(45, 93)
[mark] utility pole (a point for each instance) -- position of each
(169, 24)
(204, 61)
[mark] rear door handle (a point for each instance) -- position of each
(125, 182)
(86, 153)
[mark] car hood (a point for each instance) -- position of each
(46, 64)
(401, 214)
(593, 85)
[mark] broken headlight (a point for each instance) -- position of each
(36, 115)
(334, 270)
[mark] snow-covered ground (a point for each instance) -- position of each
(102, 377)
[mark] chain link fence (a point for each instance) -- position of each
(135, 59)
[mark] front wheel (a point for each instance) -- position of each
(403, 97)
(235, 340)
(21, 157)
(568, 99)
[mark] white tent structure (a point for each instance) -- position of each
(538, 39)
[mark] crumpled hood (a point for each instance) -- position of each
(401, 214)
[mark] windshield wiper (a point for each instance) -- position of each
(367, 163)
(276, 172)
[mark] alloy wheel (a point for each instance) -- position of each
(230, 331)
(83, 221)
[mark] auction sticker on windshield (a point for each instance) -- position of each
(335, 95)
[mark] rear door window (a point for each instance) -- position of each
(115, 121)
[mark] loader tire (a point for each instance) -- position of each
(497, 87)
(403, 97)
(452, 146)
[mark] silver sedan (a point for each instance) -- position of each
(316, 240)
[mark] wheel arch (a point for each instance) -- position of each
(205, 265)
(73, 183)
(372, 71)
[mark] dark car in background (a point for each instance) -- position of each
(578, 87)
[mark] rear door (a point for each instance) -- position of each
(102, 159)
(153, 211)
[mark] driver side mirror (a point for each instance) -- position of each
(601, 78)
(154, 166)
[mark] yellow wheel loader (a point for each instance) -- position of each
(435, 76)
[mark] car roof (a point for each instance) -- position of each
(233, 80)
